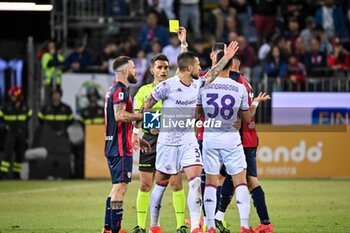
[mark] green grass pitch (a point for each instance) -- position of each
(315, 206)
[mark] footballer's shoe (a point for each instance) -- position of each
(138, 229)
(204, 227)
(197, 230)
(183, 229)
(188, 222)
(221, 226)
(211, 230)
(156, 229)
(122, 231)
(247, 230)
(261, 228)
(106, 229)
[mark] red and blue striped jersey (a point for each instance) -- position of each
(117, 134)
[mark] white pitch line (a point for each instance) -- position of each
(43, 190)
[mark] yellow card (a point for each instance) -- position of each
(174, 25)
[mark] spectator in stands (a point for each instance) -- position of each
(56, 115)
(339, 59)
(217, 20)
(231, 26)
(153, 32)
(164, 5)
(265, 48)
(300, 50)
(315, 60)
(172, 51)
(109, 52)
(202, 52)
(127, 48)
(295, 74)
(52, 65)
(333, 21)
(265, 12)
(321, 36)
(297, 9)
(80, 59)
(284, 47)
(155, 49)
(232, 36)
(293, 32)
(275, 67)
(153, 5)
(189, 12)
(308, 33)
(245, 19)
(247, 54)
(141, 66)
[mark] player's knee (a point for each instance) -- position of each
(252, 182)
(239, 178)
(119, 190)
(145, 187)
(176, 186)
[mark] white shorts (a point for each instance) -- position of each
(233, 159)
(173, 159)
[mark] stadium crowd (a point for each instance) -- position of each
(287, 41)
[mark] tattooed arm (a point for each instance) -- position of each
(230, 51)
(146, 106)
(120, 114)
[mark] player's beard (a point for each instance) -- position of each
(195, 76)
(132, 78)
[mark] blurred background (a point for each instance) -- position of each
(55, 59)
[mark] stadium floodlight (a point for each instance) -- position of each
(24, 6)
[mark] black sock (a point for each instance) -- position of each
(108, 214)
(116, 219)
(218, 196)
(203, 188)
(258, 197)
(226, 194)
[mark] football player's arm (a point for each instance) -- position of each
(120, 100)
(120, 114)
(181, 35)
(262, 97)
(229, 52)
(146, 107)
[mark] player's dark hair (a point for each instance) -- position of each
(159, 57)
(120, 61)
(218, 46)
(220, 55)
(185, 59)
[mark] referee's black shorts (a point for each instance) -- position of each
(147, 161)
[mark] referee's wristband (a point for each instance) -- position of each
(135, 130)
(255, 103)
